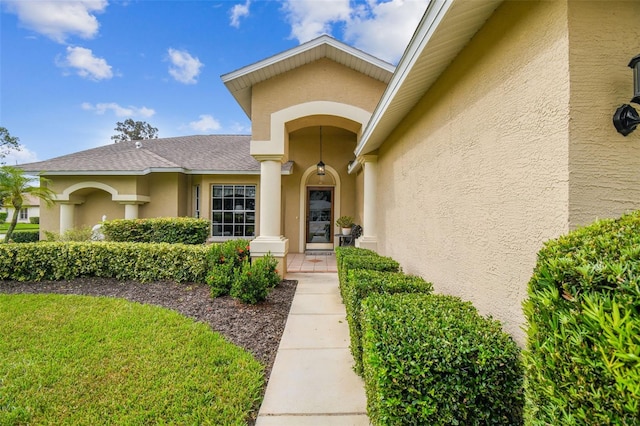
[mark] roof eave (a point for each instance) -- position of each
(440, 14)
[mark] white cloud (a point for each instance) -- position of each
(381, 28)
(239, 11)
(206, 124)
(384, 29)
(58, 19)
(312, 18)
(86, 65)
(184, 67)
(119, 111)
(21, 156)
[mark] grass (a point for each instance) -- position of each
(83, 360)
(19, 227)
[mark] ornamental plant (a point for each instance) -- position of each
(582, 356)
(433, 360)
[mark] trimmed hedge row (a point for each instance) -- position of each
(25, 236)
(348, 258)
(582, 357)
(185, 230)
(363, 283)
(432, 360)
(123, 261)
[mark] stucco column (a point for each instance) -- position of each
(130, 210)
(369, 238)
(67, 216)
(270, 239)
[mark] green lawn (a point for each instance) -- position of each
(79, 360)
(19, 227)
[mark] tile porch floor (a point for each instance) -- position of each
(300, 262)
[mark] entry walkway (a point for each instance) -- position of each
(312, 381)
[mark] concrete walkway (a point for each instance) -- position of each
(312, 381)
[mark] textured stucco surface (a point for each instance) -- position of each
(604, 166)
(475, 179)
(322, 80)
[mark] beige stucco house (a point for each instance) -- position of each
(492, 135)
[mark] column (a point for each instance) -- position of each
(369, 238)
(67, 216)
(270, 239)
(130, 210)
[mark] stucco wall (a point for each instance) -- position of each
(304, 149)
(474, 180)
(604, 166)
(323, 79)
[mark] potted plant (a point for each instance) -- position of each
(346, 223)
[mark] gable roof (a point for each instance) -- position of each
(445, 29)
(241, 81)
(203, 154)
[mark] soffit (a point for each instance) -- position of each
(241, 81)
(445, 29)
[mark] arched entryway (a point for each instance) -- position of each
(319, 207)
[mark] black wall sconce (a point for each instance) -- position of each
(626, 118)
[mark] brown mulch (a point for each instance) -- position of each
(256, 328)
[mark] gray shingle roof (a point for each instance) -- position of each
(187, 154)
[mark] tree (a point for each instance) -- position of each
(134, 131)
(15, 184)
(7, 143)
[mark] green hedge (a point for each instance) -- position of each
(362, 283)
(34, 220)
(123, 261)
(583, 327)
(25, 236)
(3, 217)
(343, 252)
(432, 360)
(185, 230)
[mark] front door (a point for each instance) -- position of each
(319, 230)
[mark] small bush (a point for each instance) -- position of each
(224, 261)
(25, 236)
(3, 217)
(583, 327)
(34, 220)
(362, 283)
(173, 230)
(432, 360)
(254, 280)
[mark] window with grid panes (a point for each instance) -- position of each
(234, 211)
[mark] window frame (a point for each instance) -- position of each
(233, 211)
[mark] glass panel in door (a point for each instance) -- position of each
(319, 215)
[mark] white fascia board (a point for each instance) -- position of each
(436, 10)
(324, 39)
(151, 170)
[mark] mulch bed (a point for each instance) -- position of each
(256, 328)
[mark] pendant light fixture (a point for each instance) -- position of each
(320, 165)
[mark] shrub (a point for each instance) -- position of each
(73, 234)
(25, 236)
(432, 360)
(34, 220)
(184, 230)
(224, 261)
(123, 261)
(253, 282)
(582, 358)
(369, 262)
(3, 217)
(362, 283)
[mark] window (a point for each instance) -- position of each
(234, 211)
(196, 201)
(24, 215)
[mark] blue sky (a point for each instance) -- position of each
(70, 70)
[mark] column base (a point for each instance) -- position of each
(277, 246)
(366, 242)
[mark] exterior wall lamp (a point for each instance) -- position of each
(626, 118)
(320, 165)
